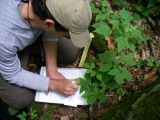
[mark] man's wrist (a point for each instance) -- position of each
(51, 72)
(51, 85)
(51, 69)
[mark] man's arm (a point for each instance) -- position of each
(50, 48)
(57, 81)
(11, 71)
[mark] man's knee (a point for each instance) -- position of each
(21, 101)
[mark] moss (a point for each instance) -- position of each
(149, 107)
(142, 105)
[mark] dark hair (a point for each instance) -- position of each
(41, 10)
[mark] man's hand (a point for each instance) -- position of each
(60, 84)
(63, 86)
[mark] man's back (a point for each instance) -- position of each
(15, 35)
(15, 32)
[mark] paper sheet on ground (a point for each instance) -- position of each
(54, 97)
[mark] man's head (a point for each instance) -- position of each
(41, 10)
(74, 15)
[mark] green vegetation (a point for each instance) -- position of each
(119, 33)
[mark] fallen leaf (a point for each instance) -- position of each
(110, 42)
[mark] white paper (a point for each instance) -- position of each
(54, 97)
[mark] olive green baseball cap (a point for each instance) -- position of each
(74, 15)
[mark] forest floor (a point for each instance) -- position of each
(141, 77)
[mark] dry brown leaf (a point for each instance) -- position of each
(143, 55)
(150, 77)
(110, 42)
(137, 55)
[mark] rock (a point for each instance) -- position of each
(64, 118)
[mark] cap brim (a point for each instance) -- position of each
(80, 39)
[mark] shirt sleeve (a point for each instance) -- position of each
(10, 70)
(49, 38)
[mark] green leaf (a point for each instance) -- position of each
(117, 32)
(12, 111)
(122, 42)
(125, 15)
(107, 77)
(127, 59)
(102, 28)
(103, 57)
(137, 34)
(93, 7)
(114, 22)
(130, 59)
(92, 99)
(95, 88)
(99, 76)
(105, 67)
(104, 3)
(136, 17)
(126, 26)
(150, 61)
(22, 116)
(90, 73)
(126, 74)
(102, 97)
(83, 85)
(120, 91)
(131, 46)
(147, 12)
(140, 63)
(90, 65)
(123, 58)
(139, 8)
(111, 55)
(101, 17)
(120, 74)
(118, 2)
(111, 86)
(103, 88)
(108, 57)
(113, 71)
(119, 78)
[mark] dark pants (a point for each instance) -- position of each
(19, 97)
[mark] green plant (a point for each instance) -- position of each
(22, 116)
(12, 111)
(32, 114)
(107, 71)
(148, 9)
(46, 116)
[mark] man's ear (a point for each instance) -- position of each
(48, 22)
